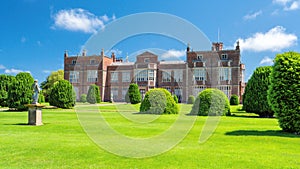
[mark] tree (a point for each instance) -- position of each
(212, 102)
(284, 91)
(191, 99)
(83, 98)
(255, 97)
(134, 93)
(159, 101)
(6, 81)
(62, 95)
(51, 79)
(234, 100)
(93, 95)
(20, 91)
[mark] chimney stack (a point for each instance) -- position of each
(217, 46)
(102, 52)
(237, 45)
(66, 54)
(84, 52)
(113, 57)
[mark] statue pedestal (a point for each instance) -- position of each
(35, 114)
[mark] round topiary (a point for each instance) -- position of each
(93, 95)
(62, 95)
(212, 102)
(159, 101)
(191, 99)
(83, 98)
(234, 100)
(284, 92)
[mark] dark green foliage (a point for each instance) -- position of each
(134, 93)
(284, 91)
(62, 95)
(83, 98)
(20, 91)
(255, 97)
(159, 101)
(5, 82)
(93, 95)
(212, 102)
(191, 99)
(234, 100)
(41, 98)
(175, 98)
(51, 79)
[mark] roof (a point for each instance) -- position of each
(172, 62)
(121, 63)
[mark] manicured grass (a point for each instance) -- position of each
(240, 141)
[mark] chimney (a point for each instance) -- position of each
(113, 57)
(237, 45)
(102, 52)
(217, 46)
(66, 54)
(84, 52)
(188, 48)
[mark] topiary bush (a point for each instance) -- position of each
(134, 94)
(83, 98)
(159, 101)
(62, 95)
(212, 102)
(284, 91)
(191, 99)
(93, 95)
(20, 91)
(255, 98)
(234, 100)
(175, 98)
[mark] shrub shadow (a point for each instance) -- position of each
(278, 133)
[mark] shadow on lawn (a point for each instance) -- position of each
(278, 133)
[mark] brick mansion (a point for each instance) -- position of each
(215, 68)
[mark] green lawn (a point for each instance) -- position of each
(240, 141)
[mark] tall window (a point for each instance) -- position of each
(225, 89)
(178, 75)
(74, 77)
(92, 75)
(198, 89)
(200, 74)
(224, 73)
(166, 76)
(114, 76)
(126, 77)
(178, 92)
(124, 91)
(140, 75)
(114, 93)
(150, 74)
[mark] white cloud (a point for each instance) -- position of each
(79, 20)
(113, 17)
(266, 60)
(116, 51)
(47, 71)
(14, 71)
(173, 54)
(252, 15)
(288, 5)
(281, 2)
(2, 67)
(293, 6)
(275, 39)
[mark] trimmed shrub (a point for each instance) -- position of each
(134, 94)
(20, 91)
(212, 102)
(6, 81)
(62, 95)
(255, 98)
(191, 99)
(284, 91)
(83, 98)
(234, 100)
(159, 101)
(93, 95)
(175, 98)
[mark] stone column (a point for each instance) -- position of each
(35, 114)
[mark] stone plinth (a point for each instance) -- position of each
(35, 114)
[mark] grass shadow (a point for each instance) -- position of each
(278, 133)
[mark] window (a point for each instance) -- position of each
(124, 91)
(224, 56)
(178, 75)
(114, 76)
(166, 76)
(141, 75)
(73, 62)
(74, 77)
(198, 89)
(114, 93)
(92, 62)
(178, 93)
(146, 60)
(150, 74)
(77, 92)
(200, 74)
(199, 57)
(126, 77)
(224, 73)
(92, 75)
(225, 89)
(143, 92)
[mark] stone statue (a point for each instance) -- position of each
(36, 90)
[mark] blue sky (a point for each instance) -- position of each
(35, 33)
